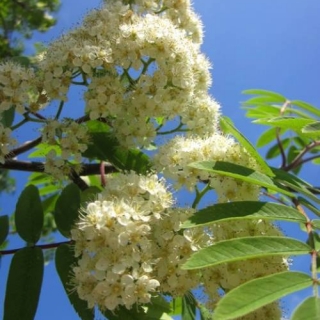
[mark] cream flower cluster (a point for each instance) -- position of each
(173, 159)
(130, 246)
(139, 65)
(68, 136)
(231, 275)
(19, 88)
(6, 141)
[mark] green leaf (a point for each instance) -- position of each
(266, 137)
(274, 151)
(66, 212)
(312, 128)
(43, 149)
(259, 292)
(240, 210)
(89, 195)
(176, 306)
(239, 172)
(228, 127)
(103, 146)
(24, 284)
(157, 309)
(262, 111)
(265, 100)
(64, 262)
(290, 123)
(189, 307)
(315, 223)
(4, 228)
(308, 309)
(245, 248)
(7, 117)
(306, 106)
(276, 96)
(29, 215)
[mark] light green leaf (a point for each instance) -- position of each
(276, 96)
(264, 100)
(228, 127)
(4, 228)
(240, 210)
(245, 248)
(257, 293)
(24, 284)
(239, 172)
(43, 149)
(189, 307)
(313, 128)
(262, 111)
(308, 309)
(306, 106)
(267, 137)
(29, 215)
(290, 123)
(315, 223)
(67, 208)
(65, 261)
(176, 306)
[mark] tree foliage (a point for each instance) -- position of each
(130, 252)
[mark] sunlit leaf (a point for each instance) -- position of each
(228, 127)
(67, 208)
(306, 106)
(245, 248)
(24, 284)
(239, 172)
(267, 137)
(313, 128)
(176, 306)
(4, 228)
(276, 96)
(244, 210)
(29, 215)
(65, 260)
(308, 309)
(290, 123)
(259, 292)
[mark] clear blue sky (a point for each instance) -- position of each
(269, 44)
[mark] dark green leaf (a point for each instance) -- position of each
(228, 127)
(276, 96)
(66, 212)
(274, 151)
(7, 117)
(239, 172)
(259, 292)
(308, 309)
(64, 262)
(245, 248)
(4, 228)
(103, 146)
(89, 195)
(29, 215)
(24, 284)
(189, 306)
(157, 309)
(239, 210)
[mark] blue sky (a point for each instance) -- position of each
(267, 44)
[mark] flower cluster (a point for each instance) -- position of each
(65, 140)
(173, 159)
(5, 142)
(130, 245)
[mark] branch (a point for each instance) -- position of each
(24, 148)
(87, 169)
(41, 246)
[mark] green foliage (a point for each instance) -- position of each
(245, 248)
(24, 284)
(308, 309)
(29, 215)
(4, 228)
(67, 207)
(103, 146)
(22, 18)
(260, 292)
